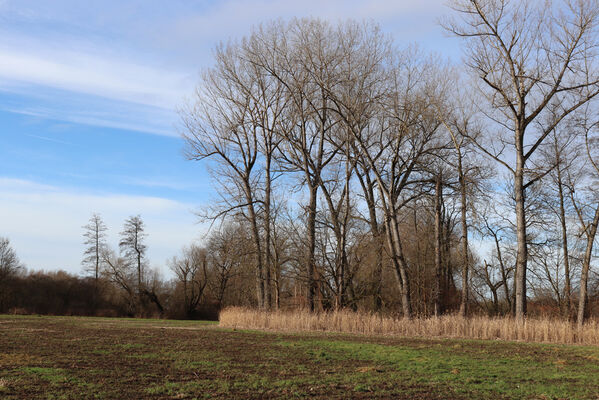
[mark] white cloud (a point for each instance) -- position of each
(138, 54)
(95, 74)
(128, 116)
(230, 19)
(44, 222)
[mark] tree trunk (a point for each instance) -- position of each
(312, 246)
(522, 255)
(584, 275)
(438, 244)
(267, 234)
(569, 304)
(400, 264)
(378, 274)
(258, 247)
(368, 188)
(465, 247)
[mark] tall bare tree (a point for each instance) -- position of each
(563, 150)
(302, 58)
(458, 115)
(588, 212)
(232, 121)
(536, 62)
(95, 240)
(134, 250)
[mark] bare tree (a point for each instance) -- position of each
(396, 145)
(226, 123)
(563, 151)
(459, 118)
(134, 250)
(9, 262)
(300, 56)
(95, 240)
(488, 273)
(536, 64)
(228, 249)
(493, 226)
(588, 212)
(118, 271)
(191, 270)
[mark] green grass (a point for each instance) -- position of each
(538, 372)
(106, 358)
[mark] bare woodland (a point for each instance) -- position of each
(354, 174)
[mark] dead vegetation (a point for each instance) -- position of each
(543, 330)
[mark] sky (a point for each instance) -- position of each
(88, 122)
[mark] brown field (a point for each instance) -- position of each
(87, 358)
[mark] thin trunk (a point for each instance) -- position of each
(267, 234)
(401, 266)
(277, 292)
(378, 274)
(584, 275)
(97, 249)
(258, 248)
(368, 188)
(345, 275)
(465, 247)
(277, 270)
(569, 303)
(438, 244)
(504, 275)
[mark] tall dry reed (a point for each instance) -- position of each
(448, 326)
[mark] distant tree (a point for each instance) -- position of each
(95, 236)
(118, 272)
(191, 270)
(9, 262)
(133, 248)
(229, 249)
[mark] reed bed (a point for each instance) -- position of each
(542, 330)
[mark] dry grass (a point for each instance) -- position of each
(450, 326)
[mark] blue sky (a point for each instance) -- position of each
(88, 99)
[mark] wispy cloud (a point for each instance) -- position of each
(94, 74)
(49, 139)
(140, 120)
(143, 56)
(75, 108)
(163, 183)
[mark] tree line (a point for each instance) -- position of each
(121, 282)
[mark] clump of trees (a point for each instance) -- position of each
(356, 174)
(367, 160)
